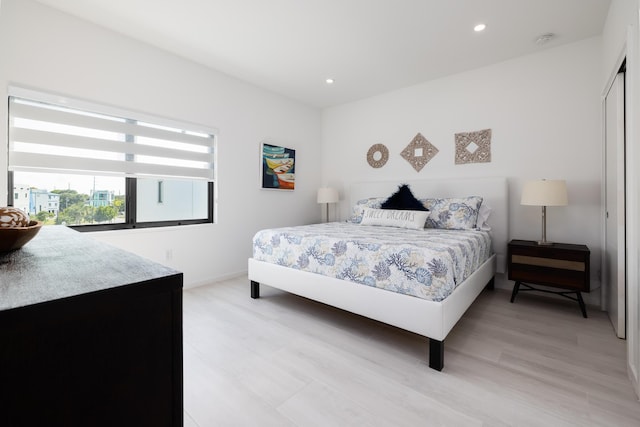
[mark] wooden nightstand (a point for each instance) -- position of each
(560, 265)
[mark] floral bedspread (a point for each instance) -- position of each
(426, 263)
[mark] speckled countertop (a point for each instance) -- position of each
(60, 262)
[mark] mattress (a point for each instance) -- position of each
(426, 263)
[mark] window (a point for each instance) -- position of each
(95, 167)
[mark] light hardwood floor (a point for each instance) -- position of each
(283, 360)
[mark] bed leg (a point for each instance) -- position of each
(436, 354)
(255, 290)
(491, 285)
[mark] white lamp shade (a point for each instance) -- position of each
(327, 195)
(544, 193)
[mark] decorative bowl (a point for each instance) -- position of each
(13, 217)
(16, 237)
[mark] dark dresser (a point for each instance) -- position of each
(90, 335)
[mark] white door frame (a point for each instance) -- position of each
(614, 264)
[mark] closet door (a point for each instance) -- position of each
(614, 286)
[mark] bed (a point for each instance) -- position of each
(431, 316)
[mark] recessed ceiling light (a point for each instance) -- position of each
(479, 27)
(329, 81)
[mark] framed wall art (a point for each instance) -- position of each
(419, 152)
(278, 167)
(473, 147)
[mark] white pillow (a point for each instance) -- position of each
(394, 218)
(483, 217)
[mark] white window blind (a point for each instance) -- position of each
(45, 137)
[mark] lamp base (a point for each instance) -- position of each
(543, 241)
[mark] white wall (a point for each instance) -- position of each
(544, 112)
(43, 49)
(622, 14)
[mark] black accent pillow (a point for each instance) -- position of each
(403, 199)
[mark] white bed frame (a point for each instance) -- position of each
(433, 320)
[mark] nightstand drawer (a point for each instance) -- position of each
(559, 265)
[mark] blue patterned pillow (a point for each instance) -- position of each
(460, 213)
(358, 209)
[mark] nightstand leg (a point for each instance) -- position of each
(583, 308)
(516, 287)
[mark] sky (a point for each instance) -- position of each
(81, 183)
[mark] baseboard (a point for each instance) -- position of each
(195, 284)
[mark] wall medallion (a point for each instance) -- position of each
(473, 147)
(377, 155)
(419, 152)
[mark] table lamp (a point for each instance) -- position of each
(327, 195)
(544, 193)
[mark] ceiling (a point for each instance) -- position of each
(368, 46)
